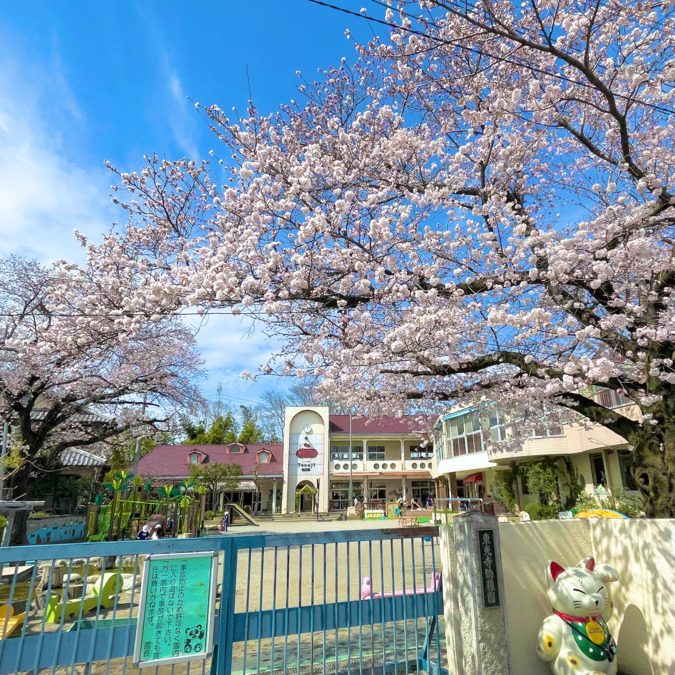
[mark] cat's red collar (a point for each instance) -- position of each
(576, 619)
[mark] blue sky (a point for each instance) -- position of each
(84, 82)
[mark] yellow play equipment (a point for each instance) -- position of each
(599, 513)
(102, 595)
(9, 622)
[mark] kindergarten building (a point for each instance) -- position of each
(382, 458)
(469, 457)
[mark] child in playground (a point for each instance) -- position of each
(158, 532)
(144, 533)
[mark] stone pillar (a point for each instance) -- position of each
(402, 455)
(474, 600)
(404, 487)
(274, 497)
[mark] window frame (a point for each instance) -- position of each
(377, 453)
(459, 445)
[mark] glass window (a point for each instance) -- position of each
(341, 452)
(194, 459)
(625, 462)
(610, 398)
(264, 457)
(598, 470)
(544, 430)
(419, 452)
(465, 434)
(339, 494)
(421, 489)
(375, 453)
(496, 426)
(378, 492)
(235, 448)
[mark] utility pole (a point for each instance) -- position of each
(351, 483)
(5, 430)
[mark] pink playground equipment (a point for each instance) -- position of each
(367, 591)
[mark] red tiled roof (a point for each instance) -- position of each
(407, 424)
(172, 460)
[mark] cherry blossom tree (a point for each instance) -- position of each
(479, 208)
(70, 376)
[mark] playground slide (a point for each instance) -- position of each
(246, 516)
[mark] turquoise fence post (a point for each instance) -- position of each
(223, 655)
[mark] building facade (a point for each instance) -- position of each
(469, 455)
(330, 460)
(259, 487)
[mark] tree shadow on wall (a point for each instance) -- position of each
(633, 630)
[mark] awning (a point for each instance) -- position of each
(473, 478)
(244, 486)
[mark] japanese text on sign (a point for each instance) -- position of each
(175, 621)
(488, 568)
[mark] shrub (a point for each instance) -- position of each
(39, 514)
(585, 502)
(504, 488)
(539, 511)
(209, 515)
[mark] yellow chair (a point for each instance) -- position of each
(102, 595)
(9, 622)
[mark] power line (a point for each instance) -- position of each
(534, 69)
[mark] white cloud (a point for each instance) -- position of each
(229, 347)
(44, 194)
(181, 114)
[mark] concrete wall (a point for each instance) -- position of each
(642, 551)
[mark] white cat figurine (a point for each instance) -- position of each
(575, 638)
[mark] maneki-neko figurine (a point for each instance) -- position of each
(575, 638)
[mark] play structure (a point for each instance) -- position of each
(130, 504)
(599, 513)
(10, 622)
(102, 595)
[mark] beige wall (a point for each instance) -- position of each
(642, 551)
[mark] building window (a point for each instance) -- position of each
(546, 431)
(194, 459)
(464, 433)
(375, 453)
(264, 457)
(235, 448)
(610, 398)
(339, 494)
(378, 492)
(598, 470)
(625, 462)
(419, 452)
(341, 452)
(496, 426)
(421, 489)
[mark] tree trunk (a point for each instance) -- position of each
(654, 463)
